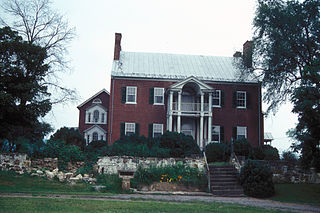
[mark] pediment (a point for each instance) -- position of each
(203, 86)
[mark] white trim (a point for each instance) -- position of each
(98, 93)
(213, 93)
(129, 126)
(135, 94)
(217, 131)
(245, 99)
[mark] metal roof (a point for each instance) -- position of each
(176, 66)
(268, 136)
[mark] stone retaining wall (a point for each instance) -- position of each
(111, 165)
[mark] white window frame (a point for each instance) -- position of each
(135, 95)
(155, 95)
(219, 92)
(128, 128)
(156, 128)
(240, 130)
(218, 133)
(245, 99)
(96, 118)
(93, 138)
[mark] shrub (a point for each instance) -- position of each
(257, 153)
(217, 152)
(289, 156)
(71, 136)
(176, 173)
(179, 144)
(271, 153)
(242, 147)
(111, 182)
(256, 180)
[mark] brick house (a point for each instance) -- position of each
(93, 117)
(197, 95)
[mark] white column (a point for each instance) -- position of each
(201, 121)
(210, 118)
(179, 113)
(170, 110)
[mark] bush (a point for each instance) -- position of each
(71, 136)
(179, 144)
(289, 156)
(256, 180)
(64, 153)
(257, 153)
(111, 182)
(271, 153)
(242, 147)
(175, 173)
(217, 152)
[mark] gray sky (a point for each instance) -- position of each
(201, 27)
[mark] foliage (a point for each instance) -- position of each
(23, 96)
(286, 40)
(43, 26)
(271, 153)
(179, 144)
(138, 146)
(289, 156)
(64, 153)
(242, 147)
(111, 182)
(189, 176)
(256, 180)
(71, 136)
(258, 153)
(217, 152)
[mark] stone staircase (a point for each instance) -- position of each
(224, 182)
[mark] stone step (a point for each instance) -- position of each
(229, 179)
(228, 193)
(226, 187)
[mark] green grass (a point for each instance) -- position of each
(219, 164)
(10, 182)
(63, 205)
(298, 193)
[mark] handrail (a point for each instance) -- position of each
(234, 159)
(208, 171)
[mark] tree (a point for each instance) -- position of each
(70, 136)
(286, 39)
(38, 24)
(23, 97)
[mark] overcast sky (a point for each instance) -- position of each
(202, 27)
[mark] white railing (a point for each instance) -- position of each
(190, 107)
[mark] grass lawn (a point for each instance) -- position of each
(298, 193)
(62, 205)
(10, 182)
(219, 164)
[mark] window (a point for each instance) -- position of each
(241, 99)
(102, 117)
(96, 116)
(158, 95)
(101, 137)
(157, 130)
(241, 132)
(94, 136)
(216, 98)
(88, 139)
(131, 95)
(130, 129)
(89, 117)
(97, 101)
(215, 134)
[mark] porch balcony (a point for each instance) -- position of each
(190, 107)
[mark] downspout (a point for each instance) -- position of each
(111, 116)
(259, 116)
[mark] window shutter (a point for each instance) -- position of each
(234, 132)
(137, 130)
(150, 130)
(122, 129)
(123, 94)
(222, 98)
(248, 100)
(221, 134)
(234, 100)
(151, 95)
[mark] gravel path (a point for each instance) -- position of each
(269, 204)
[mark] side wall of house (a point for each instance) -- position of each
(145, 113)
(104, 97)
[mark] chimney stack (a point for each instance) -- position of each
(237, 54)
(117, 46)
(247, 53)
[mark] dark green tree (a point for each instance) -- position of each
(286, 40)
(71, 136)
(23, 97)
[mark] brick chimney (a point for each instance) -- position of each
(117, 46)
(237, 54)
(247, 53)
